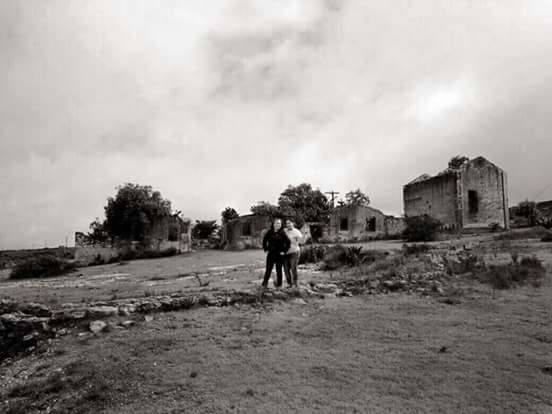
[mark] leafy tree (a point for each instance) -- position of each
(97, 231)
(357, 198)
(229, 214)
(264, 208)
(303, 204)
(456, 162)
(132, 211)
(204, 229)
(528, 210)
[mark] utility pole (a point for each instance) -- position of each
(333, 194)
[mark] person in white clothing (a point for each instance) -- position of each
(292, 255)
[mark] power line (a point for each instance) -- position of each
(333, 194)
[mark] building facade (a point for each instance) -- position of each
(358, 222)
(171, 232)
(244, 232)
(473, 195)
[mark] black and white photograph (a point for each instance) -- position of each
(275, 206)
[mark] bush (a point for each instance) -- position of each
(547, 238)
(147, 254)
(313, 253)
(421, 228)
(341, 256)
(171, 251)
(532, 233)
(528, 270)
(415, 249)
(42, 266)
(494, 227)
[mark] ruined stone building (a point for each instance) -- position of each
(470, 196)
(244, 232)
(171, 232)
(357, 222)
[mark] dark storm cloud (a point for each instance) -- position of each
(267, 62)
(227, 102)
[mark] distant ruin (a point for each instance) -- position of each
(244, 232)
(168, 233)
(469, 196)
(358, 223)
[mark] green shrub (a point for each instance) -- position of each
(41, 266)
(415, 249)
(528, 271)
(340, 256)
(313, 253)
(147, 254)
(494, 227)
(547, 238)
(421, 228)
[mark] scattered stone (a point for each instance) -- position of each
(126, 310)
(148, 318)
(326, 287)
(61, 332)
(128, 324)
(35, 309)
(299, 301)
(97, 326)
(102, 311)
(280, 295)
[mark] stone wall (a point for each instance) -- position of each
(245, 232)
(88, 252)
(394, 226)
(488, 186)
(436, 197)
(358, 218)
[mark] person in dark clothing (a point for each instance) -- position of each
(275, 244)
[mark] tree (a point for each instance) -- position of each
(421, 228)
(264, 208)
(97, 231)
(130, 214)
(303, 204)
(204, 229)
(357, 198)
(528, 210)
(229, 214)
(456, 162)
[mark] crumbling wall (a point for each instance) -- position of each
(436, 197)
(484, 195)
(394, 226)
(362, 222)
(245, 232)
(89, 251)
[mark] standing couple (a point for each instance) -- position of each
(282, 248)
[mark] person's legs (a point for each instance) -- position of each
(287, 269)
(279, 265)
(269, 267)
(293, 262)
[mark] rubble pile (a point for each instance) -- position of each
(429, 274)
(23, 325)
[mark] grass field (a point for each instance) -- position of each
(489, 352)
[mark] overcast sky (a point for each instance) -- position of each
(225, 103)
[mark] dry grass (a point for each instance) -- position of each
(75, 389)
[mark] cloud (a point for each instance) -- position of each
(227, 102)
